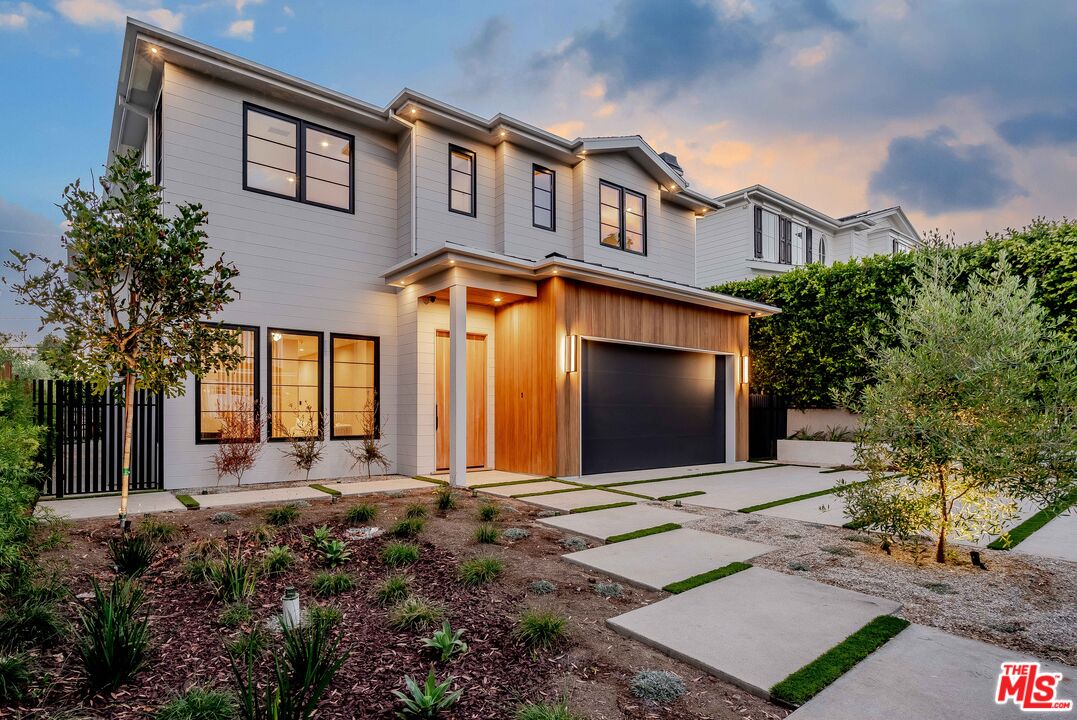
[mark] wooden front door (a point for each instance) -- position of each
(476, 399)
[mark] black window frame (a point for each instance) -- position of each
(622, 212)
(536, 170)
(198, 439)
(158, 140)
(301, 158)
(332, 385)
(269, 380)
(474, 177)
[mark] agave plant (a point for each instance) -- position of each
(429, 700)
(335, 553)
(447, 642)
(319, 538)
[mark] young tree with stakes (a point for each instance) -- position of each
(132, 297)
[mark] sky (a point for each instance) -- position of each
(962, 111)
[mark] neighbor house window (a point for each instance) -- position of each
(291, 158)
(785, 242)
(542, 197)
(226, 407)
(295, 384)
(822, 249)
(622, 218)
(769, 232)
(461, 181)
(354, 381)
(807, 245)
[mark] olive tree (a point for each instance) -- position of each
(969, 407)
(130, 299)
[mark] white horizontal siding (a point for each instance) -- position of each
(724, 244)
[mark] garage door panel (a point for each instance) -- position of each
(645, 407)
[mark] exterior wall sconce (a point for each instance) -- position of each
(745, 369)
(571, 346)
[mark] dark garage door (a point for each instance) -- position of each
(645, 407)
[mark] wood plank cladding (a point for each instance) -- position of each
(537, 402)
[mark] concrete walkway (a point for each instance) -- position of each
(538, 486)
(753, 628)
(927, 674)
(755, 487)
(658, 473)
(281, 496)
(108, 506)
(601, 524)
(1057, 539)
(658, 560)
(573, 500)
(371, 487)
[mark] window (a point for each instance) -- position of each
(785, 243)
(542, 197)
(822, 249)
(770, 236)
(901, 246)
(225, 404)
(461, 181)
(290, 158)
(796, 243)
(158, 133)
(295, 384)
(354, 382)
(622, 218)
(758, 231)
(807, 245)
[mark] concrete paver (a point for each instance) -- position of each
(370, 487)
(753, 628)
(258, 497)
(82, 508)
(573, 500)
(478, 478)
(531, 487)
(1057, 539)
(656, 473)
(927, 674)
(658, 560)
(601, 524)
(737, 490)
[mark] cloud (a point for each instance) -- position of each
(936, 174)
(110, 12)
(1040, 128)
(19, 16)
(23, 230)
(242, 29)
(287, 10)
(240, 4)
(813, 14)
(480, 60)
(570, 129)
(815, 55)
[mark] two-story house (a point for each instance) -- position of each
(759, 232)
(477, 291)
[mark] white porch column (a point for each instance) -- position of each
(458, 385)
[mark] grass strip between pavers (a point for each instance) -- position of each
(1009, 540)
(423, 478)
(693, 475)
(547, 492)
(592, 508)
(327, 490)
(625, 492)
(678, 496)
(506, 483)
(188, 502)
(795, 498)
(707, 577)
(643, 533)
(809, 680)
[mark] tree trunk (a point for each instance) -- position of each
(128, 429)
(940, 549)
(944, 519)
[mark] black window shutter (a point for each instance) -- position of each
(785, 227)
(758, 231)
(807, 245)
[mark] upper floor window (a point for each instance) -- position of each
(291, 158)
(622, 218)
(900, 246)
(461, 181)
(295, 384)
(822, 249)
(542, 197)
(226, 408)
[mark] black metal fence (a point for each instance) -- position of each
(83, 448)
(766, 425)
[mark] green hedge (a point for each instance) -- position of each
(19, 471)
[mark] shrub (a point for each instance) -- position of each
(446, 642)
(486, 533)
(609, 590)
(516, 533)
(542, 587)
(32, 622)
(233, 578)
(240, 440)
(429, 700)
(197, 569)
(282, 515)
(115, 635)
(319, 537)
(415, 613)
(575, 544)
(444, 498)
(361, 514)
(204, 548)
(132, 555)
(415, 510)
(479, 571)
(223, 518)
(156, 530)
(301, 674)
(532, 711)
(488, 511)
(407, 528)
(19, 470)
(327, 584)
(199, 704)
(278, 559)
(392, 589)
(396, 554)
(262, 534)
(253, 642)
(328, 615)
(234, 615)
(540, 630)
(14, 677)
(659, 686)
(306, 442)
(335, 553)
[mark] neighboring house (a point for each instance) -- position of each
(759, 232)
(479, 292)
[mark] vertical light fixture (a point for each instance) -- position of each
(571, 343)
(745, 368)
(291, 614)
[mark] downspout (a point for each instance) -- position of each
(414, 182)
